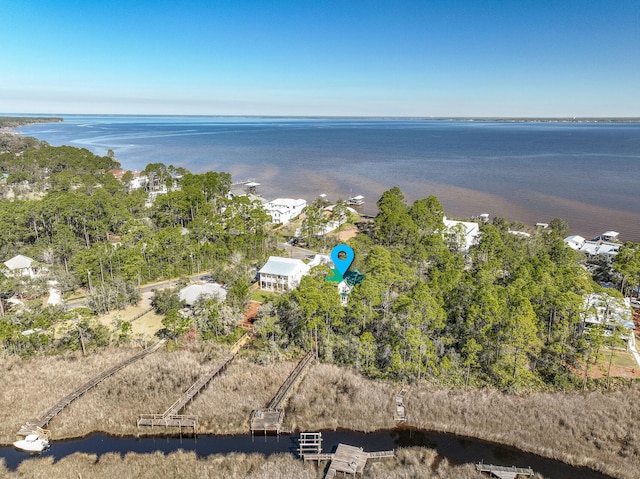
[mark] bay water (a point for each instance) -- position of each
(529, 171)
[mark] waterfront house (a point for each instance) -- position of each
(594, 247)
(462, 235)
(574, 242)
(283, 210)
(282, 274)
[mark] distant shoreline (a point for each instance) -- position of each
(9, 123)
(58, 117)
(504, 181)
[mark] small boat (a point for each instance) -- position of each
(32, 443)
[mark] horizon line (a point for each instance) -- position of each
(371, 117)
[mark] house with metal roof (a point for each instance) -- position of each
(20, 265)
(462, 234)
(191, 293)
(282, 274)
(593, 247)
(574, 241)
(283, 210)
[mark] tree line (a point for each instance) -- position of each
(93, 232)
(507, 313)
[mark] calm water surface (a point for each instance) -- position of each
(456, 449)
(586, 173)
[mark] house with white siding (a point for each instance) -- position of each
(283, 210)
(282, 274)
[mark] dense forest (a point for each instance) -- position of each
(506, 314)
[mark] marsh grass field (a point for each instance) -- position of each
(593, 429)
(409, 463)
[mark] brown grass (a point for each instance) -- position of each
(331, 397)
(28, 388)
(597, 430)
(347, 233)
(411, 463)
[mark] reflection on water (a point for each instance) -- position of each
(458, 450)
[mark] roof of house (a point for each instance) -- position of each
(609, 248)
(590, 247)
(191, 293)
(18, 262)
(603, 309)
(283, 266)
(286, 203)
(574, 241)
(578, 243)
(471, 228)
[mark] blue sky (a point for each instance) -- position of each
(322, 57)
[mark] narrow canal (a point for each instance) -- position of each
(458, 450)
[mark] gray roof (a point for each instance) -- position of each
(191, 293)
(282, 266)
(18, 262)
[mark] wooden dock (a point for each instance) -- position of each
(309, 443)
(65, 401)
(505, 472)
(270, 419)
(172, 417)
(347, 459)
(400, 415)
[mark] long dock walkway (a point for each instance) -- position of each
(172, 417)
(505, 472)
(270, 419)
(65, 401)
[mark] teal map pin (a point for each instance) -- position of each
(342, 257)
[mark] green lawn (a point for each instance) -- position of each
(262, 296)
(620, 358)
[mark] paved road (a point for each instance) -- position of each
(147, 288)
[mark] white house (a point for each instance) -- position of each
(574, 242)
(606, 311)
(465, 234)
(20, 266)
(592, 247)
(282, 274)
(138, 181)
(283, 210)
(191, 293)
